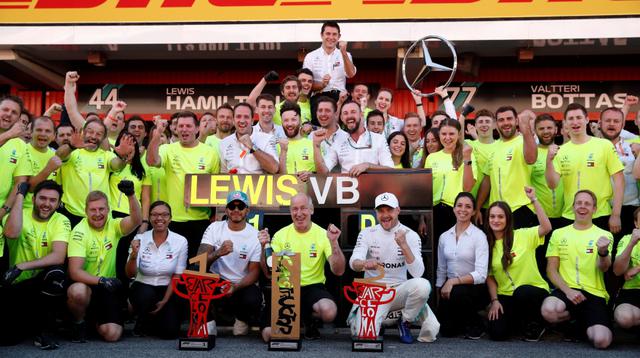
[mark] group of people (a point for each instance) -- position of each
(99, 223)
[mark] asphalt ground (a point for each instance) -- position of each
(335, 343)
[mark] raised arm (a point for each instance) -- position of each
(131, 222)
(70, 101)
(349, 67)
(257, 90)
(337, 261)
(530, 149)
(551, 175)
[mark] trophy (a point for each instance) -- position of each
(369, 294)
(285, 302)
(201, 288)
(429, 64)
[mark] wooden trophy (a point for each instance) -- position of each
(369, 294)
(285, 302)
(201, 288)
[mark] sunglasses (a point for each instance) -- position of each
(234, 206)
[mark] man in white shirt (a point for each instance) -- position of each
(329, 130)
(330, 68)
(360, 151)
(247, 151)
(395, 248)
(265, 106)
(233, 252)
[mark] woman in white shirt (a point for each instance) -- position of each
(156, 256)
(463, 255)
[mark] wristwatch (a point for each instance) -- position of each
(253, 149)
(606, 253)
(467, 162)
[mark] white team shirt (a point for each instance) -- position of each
(377, 243)
(370, 148)
(155, 264)
(321, 63)
(625, 153)
(246, 248)
(277, 131)
(234, 155)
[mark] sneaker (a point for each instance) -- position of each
(78, 332)
(404, 330)
(570, 331)
(311, 331)
(240, 328)
(138, 329)
(533, 332)
(474, 333)
(45, 342)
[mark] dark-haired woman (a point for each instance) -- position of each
(463, 256)
(156, 256)
(399, 147)
(515, 285)
(136, 172)
(453, 171)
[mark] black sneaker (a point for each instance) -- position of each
(474, 333)
(570, 331)
(78, 332)
(138, 329)
(311, 331)
(45, 342)
(533, 332)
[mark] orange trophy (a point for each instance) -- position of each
(201, 288)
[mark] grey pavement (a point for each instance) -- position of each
(334, 344)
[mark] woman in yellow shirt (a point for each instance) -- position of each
(399, 150)
(515, 285)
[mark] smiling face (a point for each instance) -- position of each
(611, 124)
(242, 120)
(43, 133)
(45, 204)
(507, 123)
(412, 128)
(576, 122)
(301, 211)
(383, 101)
(137, 129)
(463, 209)
(546, 131)
(351, 117)
(9, 114)
(186, 130)
(387, 216)
(224, 117)
(63, 135)
(306, 81)
(497, 219)
(291, 91)
(583, 207)
(326, 114)
(160, 218)
(236, 211)
(375, 124)
(94, 134)
(484, 126)
(398, 146)
(265, 109)
(330, 37)
(290, 123)
(360, 91)
(97, 212)
(449, 137)
(432, 143)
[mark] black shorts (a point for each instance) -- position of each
(592, 311)
(630, 296)
(107, 307)
(309, 295)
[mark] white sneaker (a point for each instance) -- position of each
(211, 328)
(240, 328)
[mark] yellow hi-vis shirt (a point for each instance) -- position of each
(509, 173)
(313, 247)
(33, 163)
(98, 248)
(587, 166)
(481, 152)
(305, 112)
(178, 161)
(578, 255)
(524, 268)
(117, 200)
(300, 156)
(634, 261)
(447, 181)
(11, 154)
(552, 201)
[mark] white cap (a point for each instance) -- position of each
(387, 199)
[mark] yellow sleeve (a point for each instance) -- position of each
(215, 162)
(552, 249)
(62, 230)
(614, 164)
(623, 244)
(77, 244)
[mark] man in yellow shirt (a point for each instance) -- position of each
(12, 149)
(577, 258)
(315, 246)
(187, 156)
(508, 169)
(483, 144)
(627, 264)
(92, 261)
(587, 162)
(37, 239)
(296, 153)
(86, 167)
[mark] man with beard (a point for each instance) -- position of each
(86, 167)
(292, 88)
(508, 169)
(233, 252)
(248, 151)
(12, 151)
(329, 132)
(360, 151)
(63, 134)
(40, 161)
(315, 246)
(187, 156)
(297, 154)
(37, 238)
(224, 126)
(587, 163)
(551, 200)
(394, 247)
(206, 126)
(266, 109)
(611, 124)
(92, 265)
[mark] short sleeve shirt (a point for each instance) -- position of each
(156, 264)
(97, 248)
(236, 159)
(370, 148)
(11, 154)
(321, 63)
(634, 261)
(33, 163)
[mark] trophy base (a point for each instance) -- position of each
(367, 345)
(284, 345)
(196, 344)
